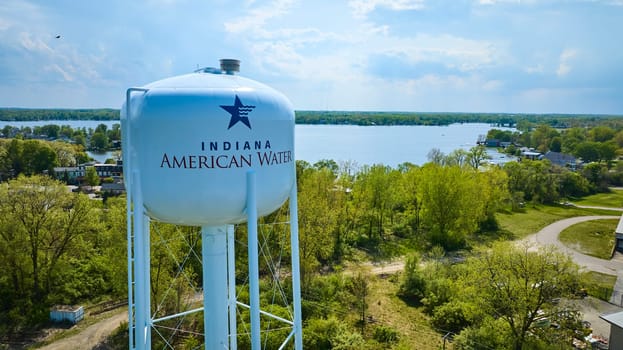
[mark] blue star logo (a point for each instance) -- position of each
(239, 113)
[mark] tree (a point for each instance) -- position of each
(458, 157)
(588, 151)
(573, 184)
(359, 287)
(436, 156)
(91, 177)
(40, 219)
(412, 206)
(114, 134)
(571, 138)
(373, 196)
(542, 136)
(607, 151)
(99, 141)
(414, 283)
(80, 139)
(601, 133)
(596, 174)
(317, 219)
(491, 187)
(517, 285)
(476, 155)
(533, 179)
(555, 144)
(450, 207)
(329, 164)
(65, 153)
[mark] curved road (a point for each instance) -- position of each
(549, 235)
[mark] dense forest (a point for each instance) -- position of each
(60, 247)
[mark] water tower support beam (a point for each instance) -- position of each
(142, 336)
(254, 284)
(296, 270)
(215, 312)
(231, 270)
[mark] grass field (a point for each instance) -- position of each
(594, 238)
(386, 309)
(598, 284)
(613, 199)
(534, 218)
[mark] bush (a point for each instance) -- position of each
(330, 333)
(385, 334)
(414, 284)
(452, 316)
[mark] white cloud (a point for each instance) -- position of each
(4, 24)
(452, 51)
(34, 44)
(538, 68)
(361, 8)
(493, 2)
(564, 67)
(257, 17)
(55, 68)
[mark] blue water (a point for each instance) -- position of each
(389, 145)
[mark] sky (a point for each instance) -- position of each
(508, 56)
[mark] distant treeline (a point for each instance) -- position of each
(441, 118)
(24, 115)
(354, 117)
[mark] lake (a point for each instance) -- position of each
(389, 145)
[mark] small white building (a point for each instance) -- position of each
(62, 313)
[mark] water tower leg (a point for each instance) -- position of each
(142, 312)
(296, 270)
(231, 276)
(215, 312)
(254, 283)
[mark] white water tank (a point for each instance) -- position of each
(193, 138)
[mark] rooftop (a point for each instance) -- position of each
(614, 318)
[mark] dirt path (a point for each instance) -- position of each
(90, 336)
(96, 333)
(389, 268)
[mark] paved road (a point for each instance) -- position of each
(549, 236)
(594, 207)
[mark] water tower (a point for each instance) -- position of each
(209, 149)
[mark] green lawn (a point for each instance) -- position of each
(612, 199)
(595, 238)
(598, 284)
(534, 218)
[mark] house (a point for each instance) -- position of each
(108, 170)
(532, 155)
(492, 143)
(616, 329)
(561, 159)
(114, 188)
(75, 175)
